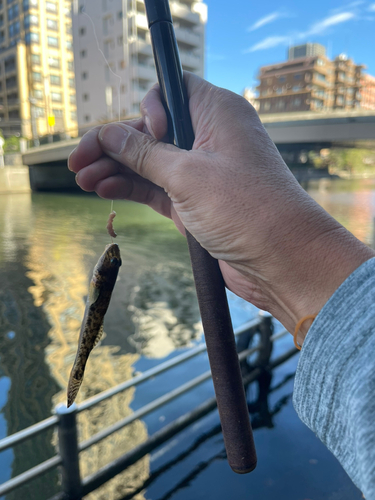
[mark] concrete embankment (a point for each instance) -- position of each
(14, 179)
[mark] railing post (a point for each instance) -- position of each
(265, 330)
(68, 449)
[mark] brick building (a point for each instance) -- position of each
(311, 82)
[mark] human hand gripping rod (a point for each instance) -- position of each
(209, 282)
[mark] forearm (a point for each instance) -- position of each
(335, 381)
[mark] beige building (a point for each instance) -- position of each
(113, 55)
(37, 87)
(310, 81)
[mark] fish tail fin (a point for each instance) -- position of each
(73, 388)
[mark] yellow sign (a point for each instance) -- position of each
(51, 121)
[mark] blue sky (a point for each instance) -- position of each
(243, 35)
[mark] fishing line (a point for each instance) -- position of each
(110, 69)
(105, 59)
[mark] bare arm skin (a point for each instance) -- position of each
(278, 249)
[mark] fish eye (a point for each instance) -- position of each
(115, 261)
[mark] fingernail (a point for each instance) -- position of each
(71, 154)
(148, 125)
(77, 180)
(113, 138)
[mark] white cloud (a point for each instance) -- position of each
(371, 7)
(321, 26)
(317, 28)
(265, 20)
(269, 43)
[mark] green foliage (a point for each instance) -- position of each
(12, 144)
(349, 161)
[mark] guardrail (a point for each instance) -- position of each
(73, 487)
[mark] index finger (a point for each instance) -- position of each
(89, 149)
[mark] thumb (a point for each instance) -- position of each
(146, 156)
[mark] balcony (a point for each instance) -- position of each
(188, 36)
(141, 47)
(141, 21)
(138, 95)
(144, 72)
(190, 59)
(180, 11)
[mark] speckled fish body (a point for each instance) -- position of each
(100, 291)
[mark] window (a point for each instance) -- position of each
(14, 29)
(37, 77)
(11, 82)
(84, 75)
(30, 20)
(119, 15)
(320, 62)
(15, 114)
(13, 12)
(73, 115)
(70, 65)
(87, 118)
(71, 83)
(296, 88)
(69, 45)
(86, 97)
(120, 40)
(51, 7)
(72, 99)
(296, 102)
(68, 29)
(56, 96)
(28, 4)
(38, 111)
(82, 31)
(53, 62)
(83, 53)
(35, 58)
(10, 64)
(55, 79)
(31, 38)
(121, 65)
(279, 90)
(320, 77)
(38, 94)
(282, 79)
(123, 89)
(58, 113)
(297, 76)
(52, 25)
(52, 41)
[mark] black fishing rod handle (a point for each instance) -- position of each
(210, 286)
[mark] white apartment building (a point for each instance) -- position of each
(114, 65)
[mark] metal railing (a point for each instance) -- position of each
(73, 488)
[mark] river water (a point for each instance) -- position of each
(49, 245)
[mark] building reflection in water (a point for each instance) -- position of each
(60, 288)
(164, 310)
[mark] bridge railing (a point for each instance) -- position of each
(73, 487)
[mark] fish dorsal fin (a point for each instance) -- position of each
(99, 336)
(94, 293)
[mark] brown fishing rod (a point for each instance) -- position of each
(212, 299)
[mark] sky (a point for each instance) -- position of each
(242, 35)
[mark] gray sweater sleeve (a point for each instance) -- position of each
(334, 390)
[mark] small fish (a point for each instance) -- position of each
(101, 286)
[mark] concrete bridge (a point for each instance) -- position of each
(291, 132)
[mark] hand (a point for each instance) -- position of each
(277, 248)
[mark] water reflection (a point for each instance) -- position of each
(48, 248)
(262, 417)
(164, 310)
